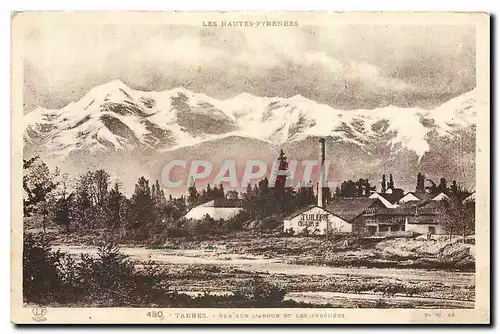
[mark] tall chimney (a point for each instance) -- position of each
(322, 171)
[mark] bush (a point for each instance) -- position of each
(260, 293)
(41, 278)
(109, 279)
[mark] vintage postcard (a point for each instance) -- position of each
(250, 167)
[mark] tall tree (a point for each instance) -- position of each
(193, 195)
(62, 214)
(454, 188)
(100, 185)
(83, 201)
(281, 178)
(116, 205)
(384, 184)
(457, 217)
(390, 185)
(249, 193)
(64, 203)
(263, 187)
(368, 188)
(142, 207)
(360, 185)
(38, 184)
(420, 188)
(442, 187)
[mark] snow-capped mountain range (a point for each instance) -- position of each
(115, 119)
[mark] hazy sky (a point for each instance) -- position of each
(348, 67)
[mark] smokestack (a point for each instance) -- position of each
(322, 171)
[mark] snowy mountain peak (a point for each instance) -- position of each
(114, 117)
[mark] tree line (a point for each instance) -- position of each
(92, 201)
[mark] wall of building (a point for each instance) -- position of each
(424, 228)
(216, 213)
(315, 220)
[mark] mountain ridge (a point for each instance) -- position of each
(113, 119)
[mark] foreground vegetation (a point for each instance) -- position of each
(112, 280)
(109, 278)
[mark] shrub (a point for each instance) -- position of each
(260, 293)
(41, 278)
(109, 279)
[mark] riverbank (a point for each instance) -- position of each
(342, 252)
(216, 271)
(344, 272)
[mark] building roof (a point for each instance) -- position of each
(409, 197)
(222, 203)
(440, 197)
(470, 198)
(350, 208)
(384, 201)
(347, 209)
(300, 210)
(422, 196)
(228, 203)
(392, 196)
(412, 208)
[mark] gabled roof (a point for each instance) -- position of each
(440, 197)
(299, 211)
(470, 198)
(408, 197)
(392, 196)
(350, 208)
(384, 201)
(426, 207)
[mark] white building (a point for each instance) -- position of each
(316, 220)
(383, 200)
(440, 197)
(216, 209)
(412, 197)
(409, 197)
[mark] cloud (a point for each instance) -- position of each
(347, 67)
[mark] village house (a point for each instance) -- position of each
(219, 208)
(383, 200)
(369, 217)
(391, 213)
(315, 220)
(471, 198)
(339, 216)
(422, 218)
(392, 196)
(413, 197)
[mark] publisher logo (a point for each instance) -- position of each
(39, 314)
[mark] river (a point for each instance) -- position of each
(253, 263)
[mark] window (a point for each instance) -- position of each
(432, 229)
(383, 228)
